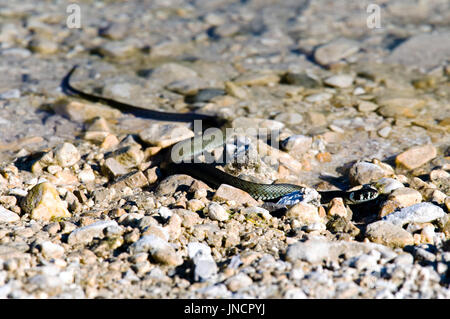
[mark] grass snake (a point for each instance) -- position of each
(208, 172)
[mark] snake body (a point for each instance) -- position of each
(207, 172)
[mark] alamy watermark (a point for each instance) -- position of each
(73, 20)
(373, 20)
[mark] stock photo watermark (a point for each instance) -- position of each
(73, 20)
(373, 20)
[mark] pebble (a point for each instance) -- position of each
(67, 155)
(297, 145)
(82, 112)
(366, 106)
(385, 131)
(386, 233)
(43, 46)
(217, 212)
(363, 173)
(256, 79)
(158, 248)
(118, 48)
(301, 79)
(86, 234)
(10, 94)
(112, 168)
(340, 81)
(386, 185)
(335, 50)
(171, 72)
(43, 202)
(164, 135)
(318, 97)
(51, 250)
(227, 193)
(7, 216)
(238, 282)
(337, 208)
(416, 156)
(304, 214)
(406, 196)
(430, 50)
(255, 123)
(128, 156)
(317, 249)
(205, 267)
(417, 213)
(135, 179)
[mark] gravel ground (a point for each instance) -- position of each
(87, 212)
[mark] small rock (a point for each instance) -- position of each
(364, 173)
(255, 123)
(43, 202)
(406, 196)
(43, 46)
(301, 79)
(86, 234)
(217, 212)
(119, 48)
(257, 79)
(134, 179)
(51, 250)
(335, 50)
(234, 90)
(10, 94)
(388, 207)
(67, 155)
(337, 207)
(238, 281)
(416, 156)
(318, 249)
(7, 216)
(164, 135)
(318, 97)
(159, 249)
(128, 156)
(430, 50)
(175, 182)
(304, 213)
(204, 265)
(366, 106)
(386, 233)
(384, 132)
(171, 72)
(387, 185)
(297, 145)
(339, 81)
(418, 213)
(112, 168)
(82, 112)
(229, 193)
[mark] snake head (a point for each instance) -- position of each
(362, 195)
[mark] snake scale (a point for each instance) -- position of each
(207, 172)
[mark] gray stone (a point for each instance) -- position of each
(317, 249)
(424, 51)
(335, 50)
(364, 173)
(86, 234)
(204, 265)
(217, 212)
(388, 234)
(7, 216)
(418, 213)
(67, 155)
